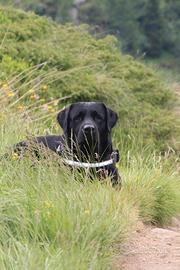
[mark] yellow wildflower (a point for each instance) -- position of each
(56, 126)
(55, 102)
(15, 156)
(87, 211)
(34, 96)
(44, 87)
(10, 94)
(50, 108)
(48, 204)
(5, 86)
(21, 107)
(31, 91)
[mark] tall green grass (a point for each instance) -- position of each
(54, 218)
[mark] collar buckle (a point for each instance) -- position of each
(115, 156)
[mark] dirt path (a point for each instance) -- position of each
(176, 88)
(151, 248)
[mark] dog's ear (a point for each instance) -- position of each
(62, 118)
(112, 118)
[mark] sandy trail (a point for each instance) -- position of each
(151, 248)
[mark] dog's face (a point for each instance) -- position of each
(87, 123)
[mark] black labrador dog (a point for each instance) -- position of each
(86, 142)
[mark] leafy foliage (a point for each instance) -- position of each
(142, 26)
(154, 29)
(56, 9)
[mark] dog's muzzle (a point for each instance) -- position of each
(88, 133)
(88, 129)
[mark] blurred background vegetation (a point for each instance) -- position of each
(51, 218)
(143, 27)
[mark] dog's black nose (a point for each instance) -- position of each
(88, 128)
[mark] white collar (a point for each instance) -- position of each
(114, 159)
(87, 164)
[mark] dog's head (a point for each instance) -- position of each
(87, 123)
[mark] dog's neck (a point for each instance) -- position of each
(83, 152)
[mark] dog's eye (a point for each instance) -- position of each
(78, 117)
(98, 117)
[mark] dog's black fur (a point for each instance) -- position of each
(87, 135)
